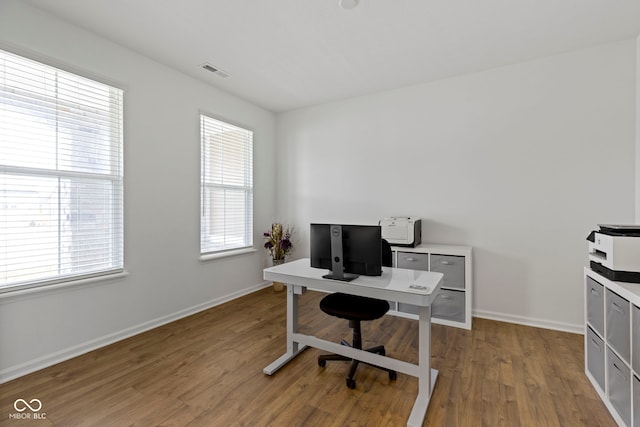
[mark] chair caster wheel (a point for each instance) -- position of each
(351, 383)
(322, 363)
(393, 375)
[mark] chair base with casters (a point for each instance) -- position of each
(355, 309)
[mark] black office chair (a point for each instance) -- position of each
(355, 309)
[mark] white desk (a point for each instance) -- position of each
(392, 285)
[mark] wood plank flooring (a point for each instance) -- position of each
(206, 370)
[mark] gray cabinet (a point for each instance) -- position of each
(618, 326)
(636, 401)
(595, 305)
(452, 266)
(595, 357)
(619, 386)
(412, 260)
(452, 305)
(612, 345)
(635, 340)
(449, 305)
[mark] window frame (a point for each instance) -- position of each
(249, 201)
(116, 195)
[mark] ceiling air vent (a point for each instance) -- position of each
(215, 70)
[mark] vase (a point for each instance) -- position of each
(277, 286)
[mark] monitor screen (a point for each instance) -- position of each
(347, 250)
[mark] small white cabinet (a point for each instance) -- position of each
(612, 345)
(452, 306)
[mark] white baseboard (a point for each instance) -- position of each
(30, 366)
(530, 321)
(509, 318)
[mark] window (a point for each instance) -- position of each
(226, 186)
(61, 180)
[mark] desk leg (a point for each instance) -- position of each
(293, 347)
(427, 376)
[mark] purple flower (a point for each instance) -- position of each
(278, 240)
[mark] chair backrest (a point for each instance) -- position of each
(387, 255)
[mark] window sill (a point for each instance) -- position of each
(63, 285)
(227, 254)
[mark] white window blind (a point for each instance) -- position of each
(227, 186)
(61, 180)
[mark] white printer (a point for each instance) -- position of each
(614, 252)
(401, 231)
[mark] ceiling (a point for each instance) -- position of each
(286, 54)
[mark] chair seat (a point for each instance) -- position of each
(353, 307)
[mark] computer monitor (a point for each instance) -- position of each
(347, 250)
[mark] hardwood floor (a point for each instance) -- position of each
(206, 370)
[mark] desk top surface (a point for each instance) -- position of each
(397, 284)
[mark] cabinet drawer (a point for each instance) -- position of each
(618, 320)
(595, 357)
(635, 342)
(636, 401)
(408, 308)
(619, 382)
(595, 305)
(413, 261)
(452, 267)
(449, 305)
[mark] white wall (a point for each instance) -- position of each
(166, 279)
(520, 162)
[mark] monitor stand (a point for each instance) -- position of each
(337, 266)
